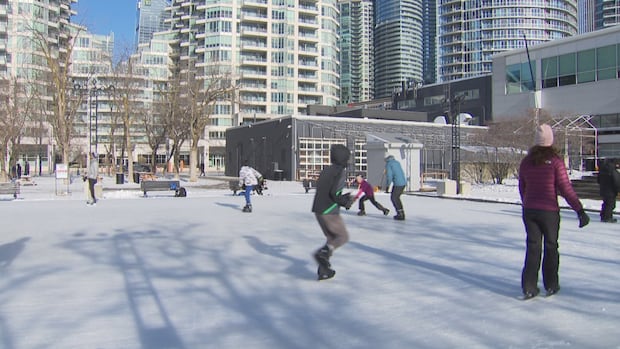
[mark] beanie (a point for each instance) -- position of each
(544, 136)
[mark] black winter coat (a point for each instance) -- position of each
(328, 197)
(608, 180)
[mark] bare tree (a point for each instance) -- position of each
(202, 95)
(16, 102)
(128, 84)
(63, 103)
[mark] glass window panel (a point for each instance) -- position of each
(606, 57)
(567, 64)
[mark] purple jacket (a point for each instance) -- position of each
(540, 185)
(365, 188)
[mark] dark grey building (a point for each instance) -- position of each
(472, 96)
(297, 147)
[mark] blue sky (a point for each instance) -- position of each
(105, 16)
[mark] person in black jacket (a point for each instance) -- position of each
(326, 207)
(609, 181)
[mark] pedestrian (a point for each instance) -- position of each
(394, 175)
(366, 192)
(542, 177)
(328, 198)
(93, 173)
(609, 183)
(19, 170)
(202, 169)
(248, 178)
(27, 168)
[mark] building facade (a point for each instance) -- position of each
(471, 32)
(284, 56)
(398, 41)
(150, 18)
(577, 76)
(356, 51)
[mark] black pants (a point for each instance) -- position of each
(542, 228)
(608, 207)
(91, 188)
(372, 201)
(397, 191)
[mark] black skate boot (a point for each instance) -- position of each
(247, 208)
(385, 211)
(361, 213)
(322, 258)
(400, 215)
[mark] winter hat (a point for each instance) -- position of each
(544, 136)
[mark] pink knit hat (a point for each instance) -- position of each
(544, 136)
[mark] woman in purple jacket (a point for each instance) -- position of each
(542, 177)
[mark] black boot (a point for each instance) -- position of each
(384, 210)
(400, 215)
(361, 213)
(247, 208)
(322, 258)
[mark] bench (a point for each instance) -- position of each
(10, 188)
(309, 184)
(163, 185)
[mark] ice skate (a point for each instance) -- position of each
(400, 215)
(386, 211)
(361, 213)
(322, 258)
(247, 208)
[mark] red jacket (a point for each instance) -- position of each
(539, 186)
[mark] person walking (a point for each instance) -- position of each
(93, 173)
(542, 177)
(394, 175)
(328, 199)
(366, 192)
(609, 182)
(248, 178)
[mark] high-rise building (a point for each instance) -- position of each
(284, 55)
(471, 32)
(429, 41)
(151, 18)
(356, 51)
(398, 44)
(607, 13)
(25, 27)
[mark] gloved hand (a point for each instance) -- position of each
(348, 200)
(584, 219)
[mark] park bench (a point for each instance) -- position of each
(9, 188)
(163, 185)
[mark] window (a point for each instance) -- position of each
(585, 66)
(606, 67)
(567, 69)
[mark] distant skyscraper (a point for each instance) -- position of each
(151, 18)
(356, 51)
(429, 41)
(586, 15)
(398, 44)
(607, 13)
(471, 32)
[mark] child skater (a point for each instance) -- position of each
(326, 207)
(367, 193)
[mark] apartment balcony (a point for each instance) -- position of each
(255, 86)
(308, 7)
(262, 61)
(254, 45)
(254, 17)
(254, 3)
(309, 50)
(307, 76)
(308, 64)
(254, 31)
(308, 22)
(253, 73)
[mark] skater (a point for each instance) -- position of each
(542, 177)
(326, 207)
(248, 178)
(609, 182)
(93, 172)
(366, 192)
(394, 175)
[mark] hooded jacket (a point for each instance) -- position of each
(328, 197)
(394, 173)
(608, 179)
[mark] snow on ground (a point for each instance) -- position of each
(164, 272)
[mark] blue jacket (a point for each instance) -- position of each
(394, 173)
